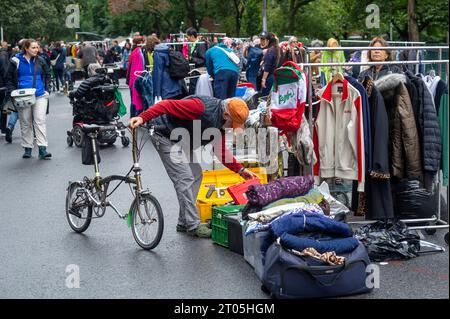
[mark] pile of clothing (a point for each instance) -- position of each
(300, 217)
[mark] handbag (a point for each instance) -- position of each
(23, 98)
(53, 62)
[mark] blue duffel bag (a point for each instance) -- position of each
(288, 276)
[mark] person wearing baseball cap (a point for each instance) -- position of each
(198, 116)
(271, 60)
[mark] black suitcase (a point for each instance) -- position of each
(287, 276)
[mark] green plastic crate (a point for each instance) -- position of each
(220, 225)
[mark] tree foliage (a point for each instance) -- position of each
(304, 18)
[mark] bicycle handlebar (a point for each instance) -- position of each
(158, 127)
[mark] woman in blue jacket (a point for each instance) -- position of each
(164, 86)
(59, 54)
(32, 119)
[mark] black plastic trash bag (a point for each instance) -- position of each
(411, 201)
(87, 152)
(389, 241)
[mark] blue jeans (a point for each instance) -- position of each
(252, 76)
(13, 118)
(309, 223)
(225, 83)
(269, 82)
(59, 77)
(322, 245)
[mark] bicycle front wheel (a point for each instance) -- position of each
(147, 221)
(78, 209)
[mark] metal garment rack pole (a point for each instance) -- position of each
(220, 33)
(184, 34)
(437, 220)
(374, 63)
(393, 42)
(437, 47)
(181, 43)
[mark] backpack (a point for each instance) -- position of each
(178, 66)
(288, 97)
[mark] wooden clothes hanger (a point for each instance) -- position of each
(338, 77)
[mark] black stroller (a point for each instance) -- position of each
(94, 102)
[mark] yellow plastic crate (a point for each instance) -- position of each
(205, 207)
(222, 179)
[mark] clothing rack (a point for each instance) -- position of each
(437, 220)
(394, 48)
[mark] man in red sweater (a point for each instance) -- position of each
(193, 115)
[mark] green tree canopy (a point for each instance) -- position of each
(304, 18)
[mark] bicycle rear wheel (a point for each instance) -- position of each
(78, 209)
(147, 221)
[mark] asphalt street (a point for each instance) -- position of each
(38, 246)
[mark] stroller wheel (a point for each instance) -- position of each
(125, 141)
(69, 141)
(78, 136)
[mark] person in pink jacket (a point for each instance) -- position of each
(135, 63)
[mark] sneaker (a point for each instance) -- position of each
(181, 228)
(8, 135)
(202, 231)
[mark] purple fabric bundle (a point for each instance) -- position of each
(284, 187)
